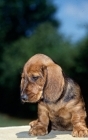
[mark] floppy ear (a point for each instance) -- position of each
(54, 83)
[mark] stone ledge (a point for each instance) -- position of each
(21, 132)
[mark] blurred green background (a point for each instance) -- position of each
(28, 27)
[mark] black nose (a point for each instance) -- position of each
(24, 97)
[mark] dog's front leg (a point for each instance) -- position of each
(40, 126)
(78, 121)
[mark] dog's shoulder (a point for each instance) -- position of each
(72, 89)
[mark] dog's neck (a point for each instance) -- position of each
(53, 102)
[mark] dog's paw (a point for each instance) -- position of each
(80, 133)
(33, 123)
(38, 131)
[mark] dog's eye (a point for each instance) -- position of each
(35, 78)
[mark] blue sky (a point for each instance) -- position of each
(73, 15)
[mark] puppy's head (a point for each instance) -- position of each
(41, 78)
(32, 83)
(33, 78)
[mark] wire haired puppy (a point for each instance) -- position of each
(59, 98)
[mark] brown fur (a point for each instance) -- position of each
(59, 98)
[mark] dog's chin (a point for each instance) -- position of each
(35, 100)
(24, 101)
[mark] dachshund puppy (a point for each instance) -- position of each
(59, 98)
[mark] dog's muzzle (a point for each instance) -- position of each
(24, 97)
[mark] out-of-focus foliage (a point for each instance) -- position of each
(80, 69)
(82, 59)
(21, 17)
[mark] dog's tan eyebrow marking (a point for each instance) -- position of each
(35, 74)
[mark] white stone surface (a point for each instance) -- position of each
(21, 133)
